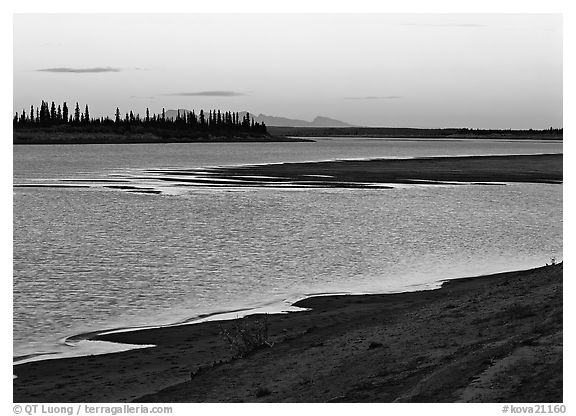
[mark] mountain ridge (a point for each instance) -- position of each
(277, 121)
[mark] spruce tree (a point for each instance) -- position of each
(65, 112)
(42, 113)
(202, 119)
(77, 114)
(53, 113)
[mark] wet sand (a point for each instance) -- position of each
(545, 168)
(495, 338)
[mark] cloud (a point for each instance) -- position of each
(80, 70)
(374, 97)
(208, 94)
(443, 24)
(48, 44)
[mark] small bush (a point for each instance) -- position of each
(246, 336)
(374, 344)
(518, 311)
(263, 391)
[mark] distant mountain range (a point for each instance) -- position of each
(319, 121)
(274, 121)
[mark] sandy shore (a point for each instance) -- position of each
(376, 173)
(495, 338)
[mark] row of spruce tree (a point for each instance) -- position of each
(51, 115)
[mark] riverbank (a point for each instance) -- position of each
(495, 338)
(417, 133)
(41, 137)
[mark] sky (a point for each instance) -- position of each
(399, 70)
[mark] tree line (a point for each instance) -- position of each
(48, 115)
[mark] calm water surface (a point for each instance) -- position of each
(95, 258)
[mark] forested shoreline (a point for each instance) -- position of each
(51, 123)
